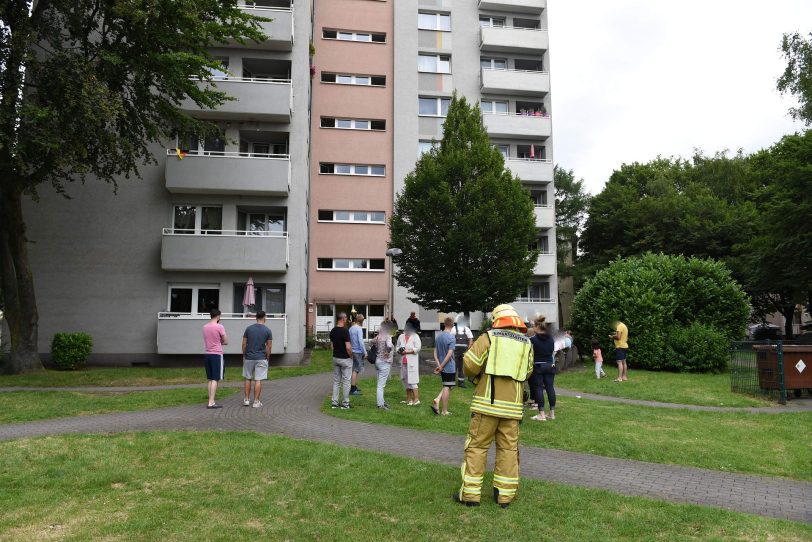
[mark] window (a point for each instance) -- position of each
(362, 217)
(267, 297)
(352, 169)
(434, 63)
(424, 146)
(531, 152)
(362, 80)
(212, 145)
(222, 71)
(531, 24)
(528, 65)
(493, 63)
(434, 21)
(433, 107)
(538, 292)
(259, 223)
(345, 264)
(488, 22)
(353, 124)
(197, 219)
(504, 149)
(544, 245)
(341, 35)
(539, 198)
(193, 298)
(491, 107)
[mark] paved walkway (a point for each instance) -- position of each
(293, 408)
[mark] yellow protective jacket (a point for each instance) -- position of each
(489, 361)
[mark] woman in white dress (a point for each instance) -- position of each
(408, 348)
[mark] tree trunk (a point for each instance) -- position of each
(20, 311)
(788, 312)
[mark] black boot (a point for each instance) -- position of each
(502, 505)
(456, 498)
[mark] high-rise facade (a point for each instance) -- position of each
(351, 174)
(140, 270)
(495, 52)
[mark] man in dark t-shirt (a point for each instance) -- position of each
(257, 342)
(342, 360)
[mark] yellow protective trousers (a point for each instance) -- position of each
(482, 431)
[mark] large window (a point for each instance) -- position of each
(352, 169)
(343, 35)
(488, 22)
(212, 145)
(433, 107)
(193, 298)
(434, 63)
(353, 124)
(494, 107)
(424, 146)
(267, 297)
(361, 80)
(434, 21)
(347, 264)
(493, 63)
(356, 217)
(259, 222)
(537, 292)
(197, 219)
(539, 198)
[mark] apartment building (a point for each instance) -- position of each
(140, 270)
(495, 52)
(351, 161)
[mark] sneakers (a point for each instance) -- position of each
(383, 407)
(356, 391)
(214, 406)
(461, 384)
(552, 415)
(540, 417)
(246, 402)
(345, 406)
(416, 403)
(257, 404)
(334, 405)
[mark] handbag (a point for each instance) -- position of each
(372, 355)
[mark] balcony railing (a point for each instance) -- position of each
(531, 170)
(508, 39)
(535, 300)
(515, 82)
(224, 250)
(517, 125)
(180, 333)
(279, 30)
(255, 98)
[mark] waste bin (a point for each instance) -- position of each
(797, 366)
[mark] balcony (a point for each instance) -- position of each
(530, 170)
(512, 125)
(255, 99)
(534, 7)
(546, 265)
(513, 82)
(181, 333)
(529, 308)
(224, 250)
(505, 39)
(545, 216)
(279, 31)
(207, 172)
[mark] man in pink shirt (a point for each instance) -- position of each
(214, 337)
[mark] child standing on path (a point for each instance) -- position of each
(598, 356)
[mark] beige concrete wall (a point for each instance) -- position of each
(350, 193)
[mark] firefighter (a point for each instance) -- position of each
(498, 363)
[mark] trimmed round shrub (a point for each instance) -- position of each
(70, 351)
(659, 297)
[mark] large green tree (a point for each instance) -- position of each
(797, 77)
(571, 207)
(464, 222)
(86, 88)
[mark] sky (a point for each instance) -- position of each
(633, 79)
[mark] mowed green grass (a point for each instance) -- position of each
(321, 361)
(27, 406)
(683, 388)
(238, 486)
(767, 444)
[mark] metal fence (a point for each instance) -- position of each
(767, 369)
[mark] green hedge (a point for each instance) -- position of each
(681, 312)
(69, 351)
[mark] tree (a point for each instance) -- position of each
(86, 88)
(571, 206)
(780, 255)
(464, 222)
(797, 77)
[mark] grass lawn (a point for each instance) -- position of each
(689, 389)
(238, 486)
(26, 406)
(767, 444)
(148, 376)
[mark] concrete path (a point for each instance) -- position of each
(293, 408)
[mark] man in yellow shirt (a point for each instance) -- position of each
(621, 338)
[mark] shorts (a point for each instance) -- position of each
(449, 379)
(620, 354)
(357, 362)
(255, 369)
(214, 366)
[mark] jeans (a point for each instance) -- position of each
(540, 382)
(342, 371)
(384, 368)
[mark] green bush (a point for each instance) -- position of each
(70, 351)
(696, 349)
(657, 297)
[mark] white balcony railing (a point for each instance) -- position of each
(228, 154)
(184, 249)
(224, 233)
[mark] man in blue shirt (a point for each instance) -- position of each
(257, 342)
(359, 352)
(444, 357)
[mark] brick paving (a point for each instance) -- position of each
(293, 408)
